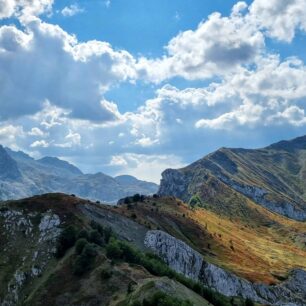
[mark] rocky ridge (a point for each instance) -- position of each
(183, 259)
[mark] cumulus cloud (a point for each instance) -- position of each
(71, 10)
(53, 89)
(145, 167)
(24, 8)
(45, 63)
(216, 47)
(281, 18)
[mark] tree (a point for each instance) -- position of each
(66, 240)
(195, 201)
(80, 244)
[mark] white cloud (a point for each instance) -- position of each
(10, 134)
(69, 74)
(24, 8)
(145, 167)
(35, 131)
(71, 10)
(40, 143)
(218, 46)
(281, 18)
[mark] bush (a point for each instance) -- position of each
(80, 244)
(249, 302)
(195, 201)
(66, 240)
(85, 260)
(163, 299)
(108, 233)
(83, 234)
(113, 250)
(95, 237)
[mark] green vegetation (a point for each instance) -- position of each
(163, 299)
(65, 241)
(79, 246)
(195, 201)
(84, 262)
(120, 250)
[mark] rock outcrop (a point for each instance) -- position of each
(183, 259)
(29, 243)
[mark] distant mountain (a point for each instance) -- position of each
(8, 166)
(273, 177)
(22, 176)
(61, 164)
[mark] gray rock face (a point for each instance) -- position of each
(183, 259)
(39, 232)
(258, 195)
(174, 183)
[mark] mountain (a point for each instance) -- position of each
(61, 164)
(22, 176)
(273, 177)
(43, 264)
(8, 166)
(62, 250)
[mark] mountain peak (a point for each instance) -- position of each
(59, 163)
(8, 166)
(298, 143)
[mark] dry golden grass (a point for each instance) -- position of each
(260, 253)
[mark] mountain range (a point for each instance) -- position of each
(229, 229)
(22, 176)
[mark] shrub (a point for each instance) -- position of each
(113, 250)
(85, 260)
(95, 237)
(80, 244)
(163, 299)
(195, 201)
(136, 197)
(108, 233)
(249, 302)
(65, 241)
(83, 234)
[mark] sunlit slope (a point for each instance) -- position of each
(264, 249)
(273, 177)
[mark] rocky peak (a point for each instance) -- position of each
(8, 166)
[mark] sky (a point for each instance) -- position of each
(135, 87)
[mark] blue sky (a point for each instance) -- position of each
(141, 86)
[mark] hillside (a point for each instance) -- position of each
(273, 177)
(22, 176)
(203, 251)
(36, 271)
(264, 250)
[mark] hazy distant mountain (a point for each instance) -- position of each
(22, 176)
(273, 177)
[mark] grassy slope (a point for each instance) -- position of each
(281, 170)
(263, 249)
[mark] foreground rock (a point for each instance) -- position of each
(183, 259)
